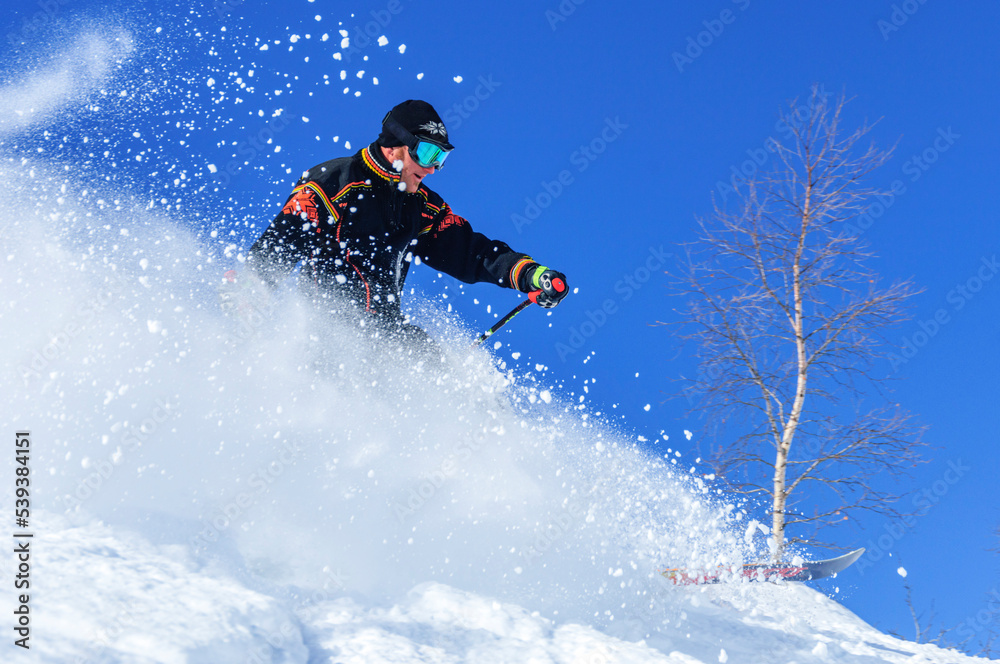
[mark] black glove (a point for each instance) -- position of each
(547, 287)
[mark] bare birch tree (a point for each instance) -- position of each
(788, 320)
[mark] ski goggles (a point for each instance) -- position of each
(426, 153)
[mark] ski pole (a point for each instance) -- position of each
(532, 298)
(503, 321)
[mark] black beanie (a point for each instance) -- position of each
(420, 119)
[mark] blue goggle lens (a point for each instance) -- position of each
(428, 154)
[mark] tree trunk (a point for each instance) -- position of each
(788, 433)
(778, 507)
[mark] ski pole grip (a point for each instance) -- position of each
(533, 295)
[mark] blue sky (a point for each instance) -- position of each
(619, 121)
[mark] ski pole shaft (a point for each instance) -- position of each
(558, 284)
(506, 319)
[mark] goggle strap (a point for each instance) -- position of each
(401, 132)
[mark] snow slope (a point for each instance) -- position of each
(110, 596)
(285, 490)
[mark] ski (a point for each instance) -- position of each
(806, 571)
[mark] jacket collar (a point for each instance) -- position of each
(376, 162)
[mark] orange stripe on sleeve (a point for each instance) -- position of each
(515, 272)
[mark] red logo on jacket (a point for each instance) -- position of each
(451, 220)
(303, 202)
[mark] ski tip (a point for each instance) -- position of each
(854, 555)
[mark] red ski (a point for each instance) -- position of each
(807, 571)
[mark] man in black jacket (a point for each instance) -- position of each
(357, 223)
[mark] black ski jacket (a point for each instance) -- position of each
(356, 234)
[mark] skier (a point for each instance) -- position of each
(356, 224)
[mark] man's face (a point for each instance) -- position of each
(412, 173)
